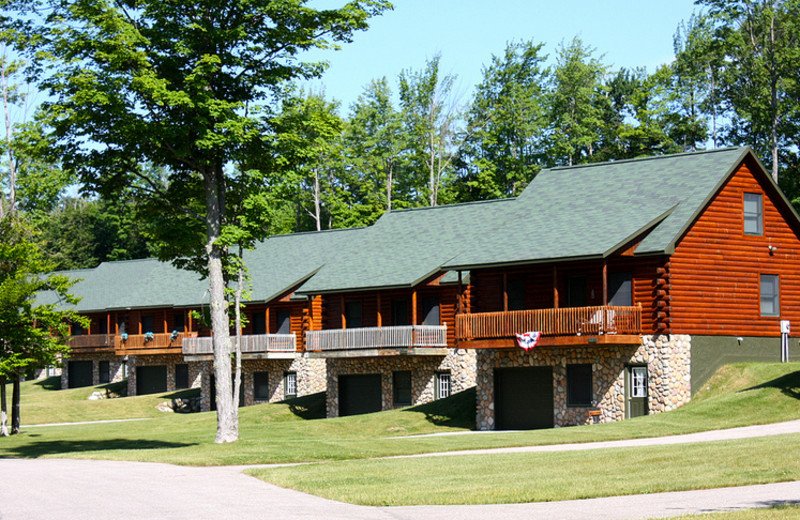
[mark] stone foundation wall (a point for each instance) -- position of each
(116, 368)
(668, 359)
(310, 378)
(460, 363)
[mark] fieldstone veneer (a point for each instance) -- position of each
(668, 360)
(310, 378)
(460, 363)
(116, 368)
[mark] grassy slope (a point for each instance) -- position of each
(739, 395)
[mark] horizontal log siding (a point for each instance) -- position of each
(714, 282)
(487, 284)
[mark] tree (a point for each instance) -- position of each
(575, 107)
(430, 114)
(182, 86)
(508, 117)
(307, 150)
(758, 46)
(32, 334)
(375, 142)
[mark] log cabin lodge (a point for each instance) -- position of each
(642, 277)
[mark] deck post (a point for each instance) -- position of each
(555, 287)
(414, 307)
(605, 282)
(344, 318)
(505, 292)
(460, 291)
(380, 315)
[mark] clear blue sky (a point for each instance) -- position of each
(468, 32)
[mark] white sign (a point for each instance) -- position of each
(785, 327)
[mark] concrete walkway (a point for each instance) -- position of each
(85, 489)
(42, 489)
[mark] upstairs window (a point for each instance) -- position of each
(258, 322)
(620, 289)
(352, 314)
(770, 299)
(515, 292)
(284, 318)
(753, 214)
(430, 310)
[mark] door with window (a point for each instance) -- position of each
(636, 391)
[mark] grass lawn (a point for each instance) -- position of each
(770, 513)
(539, 477)
(739, 395)
(43, 403)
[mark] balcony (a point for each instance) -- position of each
(564, 326)
(92, 343)
(150, 343)
(257, 346)
(376, 341)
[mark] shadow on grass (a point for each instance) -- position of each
(789, 385)
(42, 448)
(183, 394)
(308, 407)
(456, 411)
(50, 383)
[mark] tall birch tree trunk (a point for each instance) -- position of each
(227, 425)
(3, 409)
(15, 422)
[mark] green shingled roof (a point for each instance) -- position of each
(590, 211)
(565, 213)
(282, 262)
(404, 247)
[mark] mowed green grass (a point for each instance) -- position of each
(541, 477)
(781, 512)
(43, 403)
(287, 432)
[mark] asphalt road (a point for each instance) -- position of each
(34, 489)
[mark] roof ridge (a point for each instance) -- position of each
(313, 232)
(442, 206)
(648, 158)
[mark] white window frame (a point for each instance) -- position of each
(638, 382)
(443, 385)
(290, 384)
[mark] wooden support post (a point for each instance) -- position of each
(189, 314)
(344, 318)
(505, 292)
(266, 320)
(108, 323)
(166, 326)
(414, 307)
(380, 315)
(555, 287)
(605, 282)
(460, 292)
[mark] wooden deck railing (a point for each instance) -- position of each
(250, 344)
(154, 341)
(377, 337)
(92, 341)
(550, 322)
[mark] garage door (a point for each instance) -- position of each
(79, 373)
(151, 379)
(359, 394)
(523, 398)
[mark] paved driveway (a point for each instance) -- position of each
(94, 489)
(88, 489)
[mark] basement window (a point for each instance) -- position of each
(442, 385)
(290, 385)
(579, 385)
